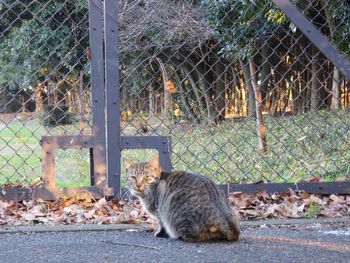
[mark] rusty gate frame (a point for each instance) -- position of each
(106, 143)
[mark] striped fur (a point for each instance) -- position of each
(187, 206)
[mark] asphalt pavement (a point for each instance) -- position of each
(259, 242)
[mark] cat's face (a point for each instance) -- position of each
(141, 176)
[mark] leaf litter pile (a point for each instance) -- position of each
(255, 206)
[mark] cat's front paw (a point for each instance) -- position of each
(161, 233)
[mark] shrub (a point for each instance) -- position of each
(60, 115)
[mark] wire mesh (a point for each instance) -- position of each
(44, 83)
(243, 93)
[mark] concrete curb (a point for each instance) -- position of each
(295, 221)
(72, 228)
(145, 227)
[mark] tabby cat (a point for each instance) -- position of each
(187, 206)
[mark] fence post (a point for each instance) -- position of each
(315, 36)
(113, 96)
(98, 165)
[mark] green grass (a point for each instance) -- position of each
(312, 144)
(314, 209)
(20, 154)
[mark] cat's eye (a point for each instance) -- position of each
(132, 177)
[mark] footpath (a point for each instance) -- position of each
(314, 240)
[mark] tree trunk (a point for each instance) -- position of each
(305, 90)
(335, 105)
(82, 104)
(199, 98)
(205, 82)
(237, 98)
(324, 94)
(38, 98)
(219, 98)
(248, 83)
(284, 97)
(166, 105)
(315, 85)
(198, 80)
(262, 141)
(265, 72)
(184, 95)
(151, 102)
(166, 109)
(276, 93)
(296, 95)
(55, 95)
(4, 99)
(49, 92)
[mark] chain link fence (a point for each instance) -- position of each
(241, 90)
(243, 93)
(44, 87)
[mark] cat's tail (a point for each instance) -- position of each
(231, 228)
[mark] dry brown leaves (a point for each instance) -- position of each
(261, 205)
(71, 211)
(258, 205)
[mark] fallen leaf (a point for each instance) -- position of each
(272, 209)
(101, 202)
(301, 207)
(4, 205)
(342, 179)
(67, 210)
(335, 199)
(134, 214)
(89, 214)
(28, 216)
(315, 179)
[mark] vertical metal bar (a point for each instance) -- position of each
(164, 161)
(315, 36)
(164, 155)
(92, 167)
(48, 165)
(98, 93)
(112, 93)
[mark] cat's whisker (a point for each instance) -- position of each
(126, 195)
(129, 196)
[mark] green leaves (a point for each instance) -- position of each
(48, 42)
(242, 25)
(275, 16)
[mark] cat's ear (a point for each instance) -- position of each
(154, 163)
(127, 163)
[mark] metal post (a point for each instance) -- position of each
(112, 93)
(315, 36)
(98, 93)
